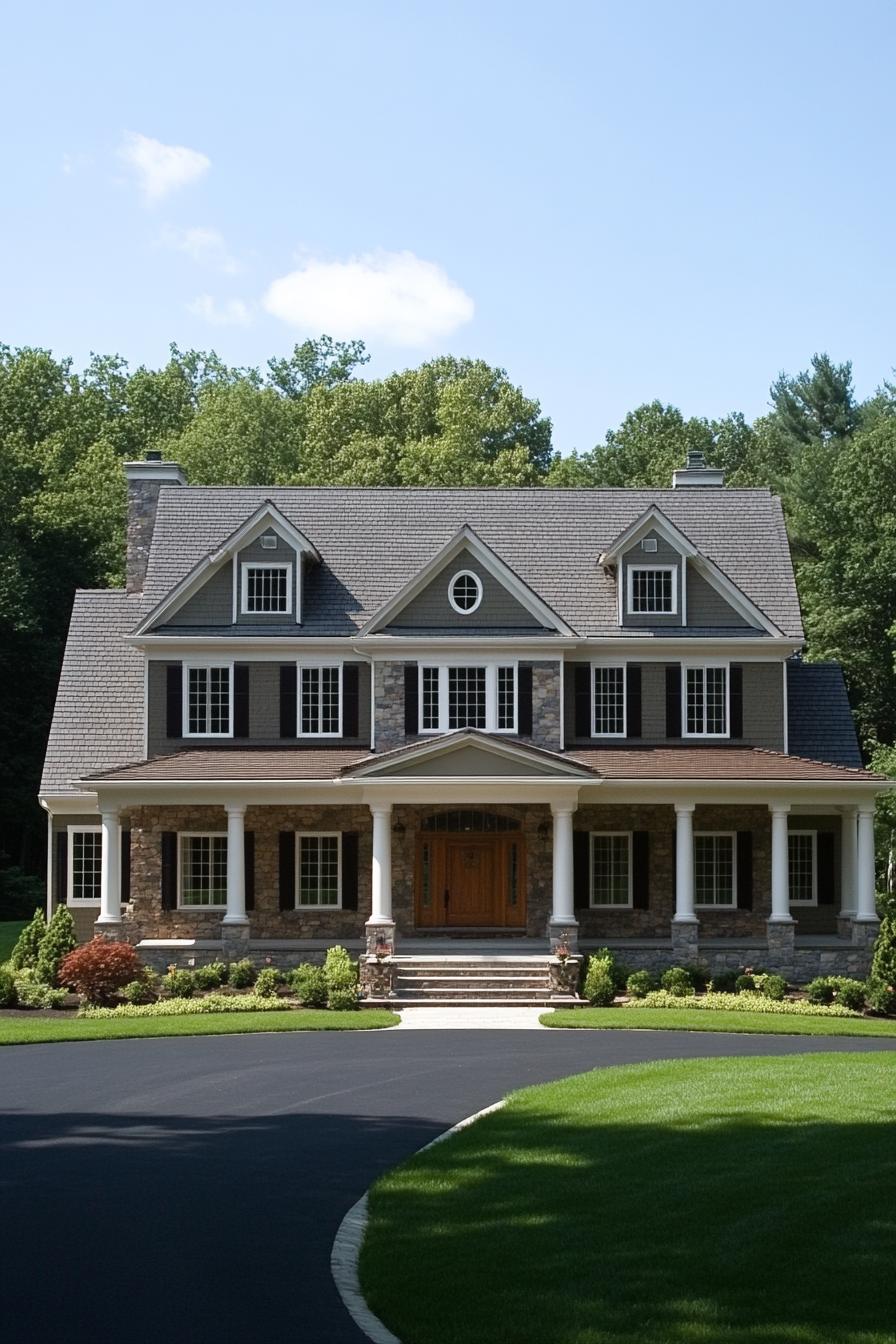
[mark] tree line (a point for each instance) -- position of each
(313, 419)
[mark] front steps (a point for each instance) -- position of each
(477, 982)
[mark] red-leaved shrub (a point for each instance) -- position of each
(98, 968)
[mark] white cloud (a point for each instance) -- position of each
(160, 168)
(205, 246)
(231, 313)
(392, 296)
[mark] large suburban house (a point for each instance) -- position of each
(529, 718)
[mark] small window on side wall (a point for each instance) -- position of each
(85, 856)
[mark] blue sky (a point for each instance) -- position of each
(615, 202)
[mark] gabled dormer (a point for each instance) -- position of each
(255, 579)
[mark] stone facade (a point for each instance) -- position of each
(388, 693)
(547, 707)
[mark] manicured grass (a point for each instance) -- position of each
(37, 1030)
(731, 1201)
(694, 1019)
(9, 933)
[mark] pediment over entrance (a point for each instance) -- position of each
(469, 754)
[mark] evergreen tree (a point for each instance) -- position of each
(58, 941)
(27, 948)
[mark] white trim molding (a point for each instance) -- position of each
(80, 902)
(631, 570)
(452, 600)
(284, 567)
(699, 665)
(301, 837)
(197, 665)
(610, 905)
(813, 838)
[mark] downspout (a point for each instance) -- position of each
(49, 865)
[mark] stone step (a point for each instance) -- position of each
(554, 1001)
(469, 986)
(483, 991)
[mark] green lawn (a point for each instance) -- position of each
(9, 933)
(745, 1201)
(702, 1019)
(36, 1030)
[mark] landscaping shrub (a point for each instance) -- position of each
(266, 983)
(309, 986)
(211, 976)
(57, 942)
(882, 997)
(241, 974)
(744, 984)
(179, 984)
(724, 982)
(8, 996)
(677, 981)
(882, 979)
(851, 993)
(33, 993)
(700, 976)
(100, 968)
(639, 983)
(341, 978)
(775, 987)
(821, 990)
(342, 1000)
(618, 972)
(212, 1003)
(600, 989)
(27, 948)
(742, 1003)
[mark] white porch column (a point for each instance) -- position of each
(110, 870)
(236, 866)
(866, 910)
(563, 903)
(780, 865)
(848, 862)
(381, 877)
(684, 864)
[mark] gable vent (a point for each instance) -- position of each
(269, 541)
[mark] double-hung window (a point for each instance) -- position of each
(266, 588)
(479, 695)
(611, 868)
(715, 872)
(802, 856)
(705, 693)
(85, 861)
(608, 714)
(318, 858)
(652, 590)
(202, 870)
(208, 700)
(320, 700)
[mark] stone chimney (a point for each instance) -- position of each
(145, 480)
(696, 472)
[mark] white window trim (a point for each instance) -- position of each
(692, 664)
(71, 899)
(814, 838)
(609, 905)
(732, 904)
(629, 588)
(194, 835)
(606, 663)
(318, 835)
(465, 574)
(491, 694)
(195, 665)
(285, 566)
(317, 663)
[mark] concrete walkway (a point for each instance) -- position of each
(471, 1019)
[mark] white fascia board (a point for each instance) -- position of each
(648, 648)
(752, 792)
(466, 539)
(652, 520)
(68, 804)
(375, 649)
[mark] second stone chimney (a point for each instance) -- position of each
(697, 472)
(145, 480)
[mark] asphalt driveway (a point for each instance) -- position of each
(189, 1189)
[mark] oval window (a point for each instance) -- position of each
(465, 592)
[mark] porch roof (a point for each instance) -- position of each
(240, 763)
(718, 762)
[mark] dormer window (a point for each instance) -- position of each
(653, 590)
(465, 592)
(266, 589)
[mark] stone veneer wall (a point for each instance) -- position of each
(547, 708)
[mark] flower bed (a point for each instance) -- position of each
(742, 1003)
(208, 1003)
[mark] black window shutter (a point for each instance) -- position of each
(640, 870)
(582, 691)
(673, 700)
(287, 870)
(411, 699)
(736, 696)
(174, 707)
(241, 700)
(633, 701)
(745, 870)
(524, 701)
(169, 870)
(581, 863)
(350, 697)
(824, 856)
(675, 865)
(349, 870)
(249, 868)
(288, 681)
(61, 867)
(125, 866)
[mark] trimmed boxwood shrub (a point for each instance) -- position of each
(341, 979)
(744, 983)
(775, 987)
(639, 983)
(724, 982)
(8, 996)
(211, 976)
(882, 997)
(677, 981)
(599, 988)
(179, 984)
(821, 989)
(309, 986)
(100, 968)
(241, 974)
(851, 993)
(619, 972)
(138, 991)
(700, 976)
(266, 983)
(33, 993)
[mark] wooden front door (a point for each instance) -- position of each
(470, 881)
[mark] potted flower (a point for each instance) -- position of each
(561, 951)
(382, 948)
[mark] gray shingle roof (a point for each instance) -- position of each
(372, 542)
(820, 722)
(98, 718)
